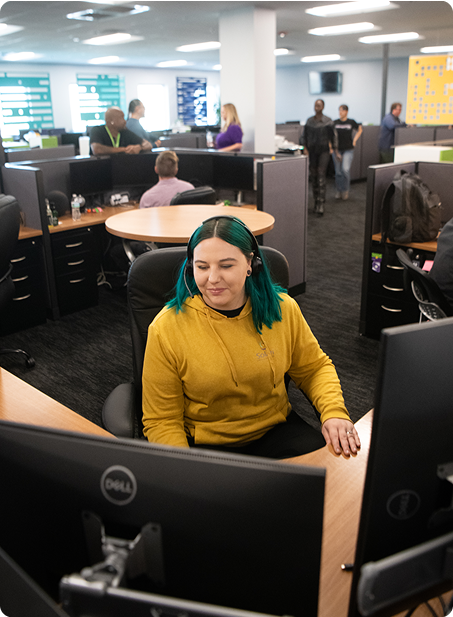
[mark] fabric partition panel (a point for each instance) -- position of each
(22, 183)
(39, 154)
(282, 186)
(413, 135)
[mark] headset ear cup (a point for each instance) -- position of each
(257, 265)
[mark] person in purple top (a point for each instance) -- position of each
(230, 138)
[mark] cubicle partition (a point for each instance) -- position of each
(283, 192)
(36, 154)
(279, 186)
(384, 301)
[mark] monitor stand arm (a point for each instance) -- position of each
(444, 514)
(118, 560)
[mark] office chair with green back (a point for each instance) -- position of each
(432, 303)
(9, 234)
(152, 277)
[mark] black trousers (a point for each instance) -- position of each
(285, 440)
(318, 163)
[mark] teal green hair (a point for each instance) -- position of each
(264, 295)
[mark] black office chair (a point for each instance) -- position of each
(201, 195)
(151, 280)
(9, 234)
(431, 301)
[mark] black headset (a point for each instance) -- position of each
(256, 265)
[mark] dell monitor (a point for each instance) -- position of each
(135, 171)
(233, 171)
(408, 494)
(145, 523)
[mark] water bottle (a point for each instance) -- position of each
(209, 139)
(49, 214)
(75, 208)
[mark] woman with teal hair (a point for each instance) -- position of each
(218, 353)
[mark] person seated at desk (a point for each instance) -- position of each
(230, 137)
(113, 137)
(442, 269)
(162, 193)
(136, 112)
(217, 355)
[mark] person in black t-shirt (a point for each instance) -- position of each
(114, 137)
(347, 133)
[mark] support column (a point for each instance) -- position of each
(385, 69)
(247, 79)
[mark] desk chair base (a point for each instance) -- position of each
(29, 361)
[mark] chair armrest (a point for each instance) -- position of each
(118, 411)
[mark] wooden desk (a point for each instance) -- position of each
(430, 246)
(345, 480)
(177, 223)
(20, 402)
(65, 222)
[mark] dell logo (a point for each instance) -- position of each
(118, 485)
(403, 505)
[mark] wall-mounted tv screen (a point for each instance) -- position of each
(325, 82)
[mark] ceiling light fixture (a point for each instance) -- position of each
(20, 55)
(115, 38)
(172, 63)
(391, 38)
(108, 12)
(8, 29)
(217, 67)
(343, 29)
(326, 58)
(351, 8)
(104, 60)
(439, 49)
(281, 51)
(200, 46)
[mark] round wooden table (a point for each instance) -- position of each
(176, 224)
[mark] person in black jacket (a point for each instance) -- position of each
(442, 269)
(113, 137)
(317, 140)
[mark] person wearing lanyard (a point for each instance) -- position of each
(114, 137)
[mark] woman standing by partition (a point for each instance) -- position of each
(230, 137)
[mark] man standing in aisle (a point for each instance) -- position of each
(317, 140)
(387, 134)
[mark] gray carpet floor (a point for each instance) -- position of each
(82, 357)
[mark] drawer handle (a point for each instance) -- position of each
(22, 298)
(390, 310)
(395, 267)
(71, 246)
(78, 280)
(18, 259)
(23, 278)
(75, 263)
(393, 288)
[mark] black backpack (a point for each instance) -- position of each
(410, 212)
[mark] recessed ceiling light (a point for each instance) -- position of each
(104, 60)
(343, 29)
(115, 38)
(326, 58)
(172, 63)
(217, 67)
(200, 46)
(108, 12)
(281, 51)
(8, 29)
(351, 8)
(20, 55)
(437, 50)
(390, 38)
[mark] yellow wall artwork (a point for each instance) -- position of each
(430, 90)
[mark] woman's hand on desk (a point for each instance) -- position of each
(342, 435)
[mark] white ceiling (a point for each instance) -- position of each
(168, 24)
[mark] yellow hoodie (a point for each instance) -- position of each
(219, 381)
